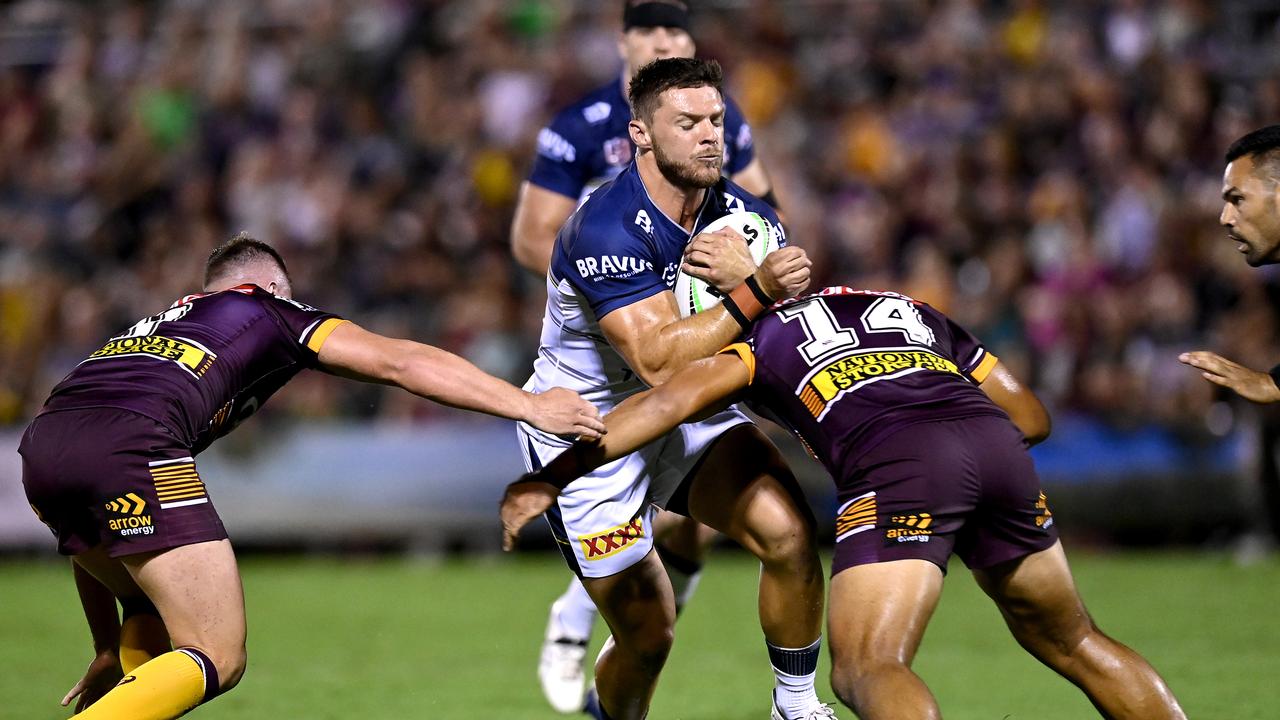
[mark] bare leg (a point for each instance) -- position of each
(639, 608)
(745, 490)
(878, 615)
(1038, 598)
(198, 592)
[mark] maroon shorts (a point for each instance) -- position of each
(967, 486)
(114, 477)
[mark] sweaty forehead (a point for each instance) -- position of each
(700, 101)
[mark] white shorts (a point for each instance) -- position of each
(603, 521)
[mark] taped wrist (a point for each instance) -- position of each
(746, 302)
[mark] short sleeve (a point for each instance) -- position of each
(560, 165)
(748, 357)
(737, 138)
(972, 358)
(307, 326)
(610, 264)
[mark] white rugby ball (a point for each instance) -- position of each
(694, 295)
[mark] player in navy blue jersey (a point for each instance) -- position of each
(585, 145)
(612, 328)
(109, 465)
(924, 433)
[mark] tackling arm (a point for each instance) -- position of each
(435, 374)
(539, 214)
(707, 384)
(1016, 399)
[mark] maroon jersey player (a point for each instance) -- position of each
(109, 465)
(924, 433)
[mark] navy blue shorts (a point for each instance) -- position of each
(966, 486)
(108, 476)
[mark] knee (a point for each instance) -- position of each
(787, 540)
(228, 662)
(648, 647)
(853, 682)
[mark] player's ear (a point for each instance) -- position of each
(640, 135)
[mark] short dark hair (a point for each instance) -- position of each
(237, 252)
(650, 81)
(1263, 141)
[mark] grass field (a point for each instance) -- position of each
(412, 639)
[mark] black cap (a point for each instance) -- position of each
(655, 13)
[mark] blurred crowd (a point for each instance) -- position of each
(1046, 172)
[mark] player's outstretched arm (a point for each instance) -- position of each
(1016, 399)
(104, 626)
(435, 374)
(539, 214)
(1253, 385)
(707, 384)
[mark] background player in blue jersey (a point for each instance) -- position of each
(109, 466)
(611, 329)
(585, 145)
(923, 433)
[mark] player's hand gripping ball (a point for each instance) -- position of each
(695, 295)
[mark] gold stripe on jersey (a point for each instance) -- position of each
(748, 358)
(322, 333)
(177, 482)
(195, 359)
(858, 515)
(984, 368)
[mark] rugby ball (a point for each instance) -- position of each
(694, 295)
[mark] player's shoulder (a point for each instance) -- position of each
(592, 112)
(731, 197)
(843, 294)
(615, 215)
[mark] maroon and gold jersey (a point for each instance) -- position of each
(844, 369)
(201, 366)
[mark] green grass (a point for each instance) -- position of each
(403, 639)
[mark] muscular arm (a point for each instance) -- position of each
(435, 374)
(640, 419)
(1016, 399)
(708, 384)
(99, 610)
(539, 214)
(656, 342)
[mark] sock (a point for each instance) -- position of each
(794, 671)
(574, 614)
(684, 574)
(166, 687)
(143, 635)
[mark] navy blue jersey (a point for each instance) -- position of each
(203, 365)
(617, 249)
(587, 143)
(845, 369)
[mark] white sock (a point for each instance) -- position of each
(573, 614)
(794, 671)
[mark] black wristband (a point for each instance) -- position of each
(758, 291)
(735, 312)
(1275, 375)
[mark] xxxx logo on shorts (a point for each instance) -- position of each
(599, 546)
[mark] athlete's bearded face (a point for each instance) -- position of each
(687, 136)
(1251, 210)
